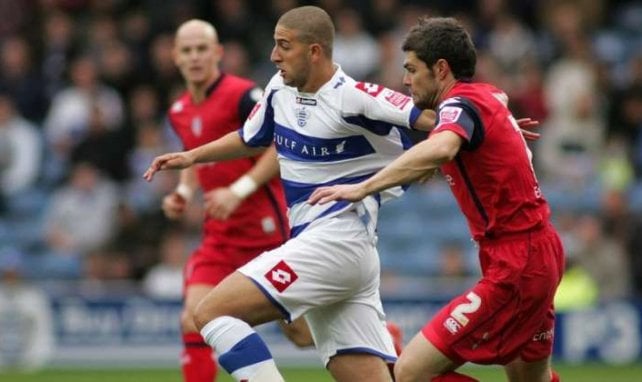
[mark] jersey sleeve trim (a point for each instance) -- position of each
(460, 116)
(265, 134)
(247, 102)
(415, 112)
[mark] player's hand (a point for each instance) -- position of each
(350, 192)
(171, 161)
(525, 124)
(220, 203)
(174, 206)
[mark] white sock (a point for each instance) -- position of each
(240, 350)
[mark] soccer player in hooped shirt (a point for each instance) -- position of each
(507, 318)
(244, 200)
(328, 129)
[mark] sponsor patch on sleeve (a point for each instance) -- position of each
(367, 87)
(449, 114)
(396, 99)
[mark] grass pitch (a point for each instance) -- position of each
(568, 373)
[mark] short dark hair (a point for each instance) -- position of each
(313, 25)
(433, 38)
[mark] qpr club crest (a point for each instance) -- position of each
(302, 116)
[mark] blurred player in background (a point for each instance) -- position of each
(328, 129)
(244, 202)
(507, 318)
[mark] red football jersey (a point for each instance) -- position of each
(492, 176)
(260, 221)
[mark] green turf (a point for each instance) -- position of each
(569, 373)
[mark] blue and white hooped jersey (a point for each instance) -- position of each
(343, 133)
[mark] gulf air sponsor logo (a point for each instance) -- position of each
(396, 99)
(308, 150)
(370, 88)
(281, 276)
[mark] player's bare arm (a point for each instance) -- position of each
(221, 202)
(426, 120)
(230, 146)
(417, 163)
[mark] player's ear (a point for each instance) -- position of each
(442, 68)
(316, 52)
(219, 51)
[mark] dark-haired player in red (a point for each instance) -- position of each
(244, 201)
(507, 318)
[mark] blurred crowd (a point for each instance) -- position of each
(84, 85)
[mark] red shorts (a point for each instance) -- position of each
(210, 265)
(509, 312)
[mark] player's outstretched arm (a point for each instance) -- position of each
(230, 146)
(426, 120)
(221, 202)
(417, 163)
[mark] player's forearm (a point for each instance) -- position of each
(187, 184)
(230, 146)
(425, 121)
(417, 163)
(266, 168)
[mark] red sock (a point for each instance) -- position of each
(452, 376)
(196, 361)
(555, 377)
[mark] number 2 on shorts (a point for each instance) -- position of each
(460, 311)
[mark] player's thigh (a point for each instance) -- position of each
(239, 297)
(297, 332)
(351, 328)
(334, 260)
(359, 368)
(194, 293)
(522, 371)
(421, 360)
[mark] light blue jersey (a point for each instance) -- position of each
(343, 133)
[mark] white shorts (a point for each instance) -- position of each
(330, 274)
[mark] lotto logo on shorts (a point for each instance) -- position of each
(281, 276)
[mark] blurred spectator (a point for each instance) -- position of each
(139, 194)
(26, 325)
(165, 279)
(79, 219)
(58, 43)
(573, 134)
(22, 81)
(604, 259)
(69, 117)
(351, 41)
(20, 150)
(104, 148)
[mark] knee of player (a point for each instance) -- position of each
(187, 322)
(405, 371)
(202, 315)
